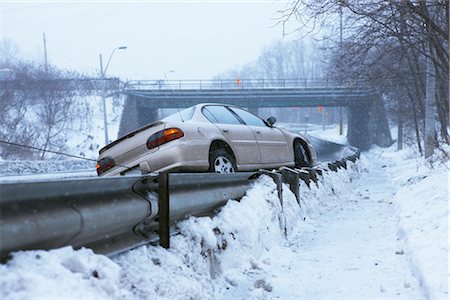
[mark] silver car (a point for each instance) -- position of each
(206, 137)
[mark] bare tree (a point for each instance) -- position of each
(38, 108)
(386, 45)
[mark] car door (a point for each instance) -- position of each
(239, 136)
(271, 141)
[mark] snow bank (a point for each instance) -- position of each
(211, 255)
(22, 167)
(209, 258)
(334, 190)
(227, 256)
(58, 274)
(423, 205)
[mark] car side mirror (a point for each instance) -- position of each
(271, 121)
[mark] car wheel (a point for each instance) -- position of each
(221, 162)
(301, 156)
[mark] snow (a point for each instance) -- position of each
(85, 139)
(331, 134)
(376, 231)
(32, 167)
(422, 201)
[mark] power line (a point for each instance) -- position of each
(57, 152)
(77, 17)
(46, 150)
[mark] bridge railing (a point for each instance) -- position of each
(224, 84)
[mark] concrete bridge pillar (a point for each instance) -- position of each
(358, 126)
(368, 124)
(136, 114)
(379, 125)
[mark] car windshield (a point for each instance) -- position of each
(180, 116)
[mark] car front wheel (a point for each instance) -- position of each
(221, 162)
(301, 155)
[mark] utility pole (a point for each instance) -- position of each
(105, 120)
(430, 108)
(400, 127)
(45, 54)
(430, 97)
(341, 113)
(103, 90)
(46, 75)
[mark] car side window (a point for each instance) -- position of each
(219, 114)
(249, 118)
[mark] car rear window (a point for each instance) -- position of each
(180, 116)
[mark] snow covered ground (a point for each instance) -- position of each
(377, 231)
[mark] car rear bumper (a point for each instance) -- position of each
(174, 156)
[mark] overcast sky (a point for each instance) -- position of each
(196, 39)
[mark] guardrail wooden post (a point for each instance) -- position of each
(305, 177)
(332, 167)
(341, 164)
(291, 177)
(278, 181)
(164, 210)
(277, 178)
(313, 175)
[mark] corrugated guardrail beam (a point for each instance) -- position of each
(114, 214)
(107, 214)
(99, 213)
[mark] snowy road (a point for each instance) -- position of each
(351, 251)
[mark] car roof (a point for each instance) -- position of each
(215, 103)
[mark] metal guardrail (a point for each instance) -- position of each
(107, 214)
(114, 214)
(226, 84)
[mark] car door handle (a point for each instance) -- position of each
(226, 130)
(258, 132)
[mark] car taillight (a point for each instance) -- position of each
(104, 165)
(164, 136)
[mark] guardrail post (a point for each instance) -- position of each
(291, 177)
(341, 164)
(278, 181)
(313, 175)
(164, 210)
(332, 167)
(352, 158)
(304, 175)
(277, 178)
(319, 172)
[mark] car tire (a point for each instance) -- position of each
(301, 156)
(220, 161)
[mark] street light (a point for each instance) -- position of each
(102, 74)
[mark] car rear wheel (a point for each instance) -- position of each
(301, 155)
(221, 162)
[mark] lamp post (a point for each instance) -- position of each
(103, 91)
